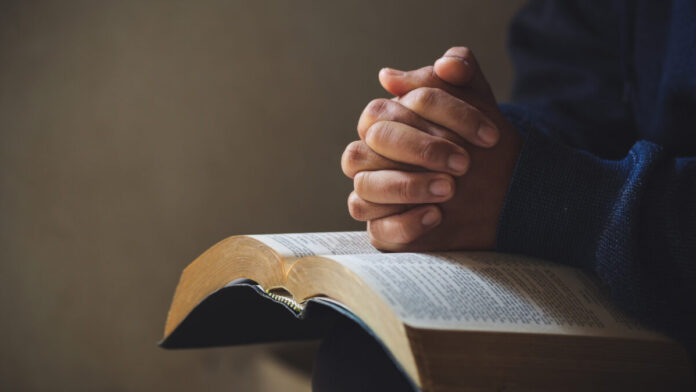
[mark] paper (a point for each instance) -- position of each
(296, 245)
(489, 291)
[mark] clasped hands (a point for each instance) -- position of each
(433, 164)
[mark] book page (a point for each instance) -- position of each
(491, 292)
(295, 245)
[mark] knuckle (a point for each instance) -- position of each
(375, 234)
(389, 234)
(379, 133)
(375, 242)
(355, 207)
(406, 189)
(429, 73)
(364, 185)
(353, 155)
(469, 118)
(424, 98)
(430, 151)
(359, 183)
(376, 108)
(402, 232)
(427, 77)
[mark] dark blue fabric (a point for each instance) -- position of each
(350, 359)
(605, 94)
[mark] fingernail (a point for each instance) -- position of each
(458, 162)
(392, 72)
(456, 59)
(488, 134)
(430, 218)
(440, 188)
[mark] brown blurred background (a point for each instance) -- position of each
(134, 134)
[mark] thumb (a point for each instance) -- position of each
(457, 72)
(454, 70)
(459, 67)
(399, 82)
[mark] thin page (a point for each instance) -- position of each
(295, 245)
(491, 292)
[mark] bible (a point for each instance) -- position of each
(449, 320)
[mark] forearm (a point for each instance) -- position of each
(632, 221)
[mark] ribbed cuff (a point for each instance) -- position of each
(559, 199)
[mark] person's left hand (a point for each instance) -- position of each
(389, 191)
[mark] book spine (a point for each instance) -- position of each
(292, 304)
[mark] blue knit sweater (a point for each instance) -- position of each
(605, 94)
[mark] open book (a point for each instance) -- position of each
(451, 321)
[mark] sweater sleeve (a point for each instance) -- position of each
(585, 191)
(630, 221)
(570, 69)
